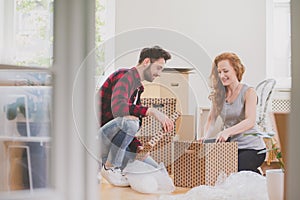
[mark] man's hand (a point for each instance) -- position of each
(167, 124)
(139, 149)
(165, 121)
(143, 152)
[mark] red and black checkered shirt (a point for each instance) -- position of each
(120, 96)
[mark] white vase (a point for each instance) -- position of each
(275, 184)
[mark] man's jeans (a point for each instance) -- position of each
(115, 137)
(115, 152)
(130, 154)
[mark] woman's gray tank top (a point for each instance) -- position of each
(232, 114)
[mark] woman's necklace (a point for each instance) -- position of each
(232, 94)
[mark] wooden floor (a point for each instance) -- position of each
(109, 192)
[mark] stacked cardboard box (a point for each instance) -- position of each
(162, 151)
(191, 163)
(150, 125)
(200, 164)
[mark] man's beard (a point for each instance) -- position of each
(147, 74)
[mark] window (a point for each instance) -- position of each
(26, 39)
(105, 30)
(279, 42)
(27, 34)
(75, 170)
(71, 166)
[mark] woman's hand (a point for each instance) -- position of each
(222, 137)
(202, 139)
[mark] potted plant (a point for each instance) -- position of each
(272, 148)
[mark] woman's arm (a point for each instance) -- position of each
(247, 123)
(210, 123)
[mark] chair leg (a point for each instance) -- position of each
(260, 171)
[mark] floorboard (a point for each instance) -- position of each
(109, 191)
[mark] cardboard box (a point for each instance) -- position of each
(185, 128)
(200, 164)
(162, 151)
(201, 118)
(150, 125)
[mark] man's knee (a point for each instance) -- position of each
(130, 125)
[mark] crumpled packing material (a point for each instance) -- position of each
(145, 178)
(244, 185)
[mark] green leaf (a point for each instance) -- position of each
(278, 155)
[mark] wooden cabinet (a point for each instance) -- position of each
(11, 166)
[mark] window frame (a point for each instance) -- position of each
(12, 26)
(69, 161)
(282, 82)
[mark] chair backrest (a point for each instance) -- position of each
(264, 90)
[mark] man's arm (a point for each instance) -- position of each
(121, 105)
(165, 121)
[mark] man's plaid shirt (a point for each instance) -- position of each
(120, 96)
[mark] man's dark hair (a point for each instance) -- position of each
(154, 53)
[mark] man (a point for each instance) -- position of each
(121, 113)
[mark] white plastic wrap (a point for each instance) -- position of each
(244, 185)
(145, 178)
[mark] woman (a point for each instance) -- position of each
(235, 103)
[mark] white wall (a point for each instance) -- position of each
(216, 25)
(231, 25)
